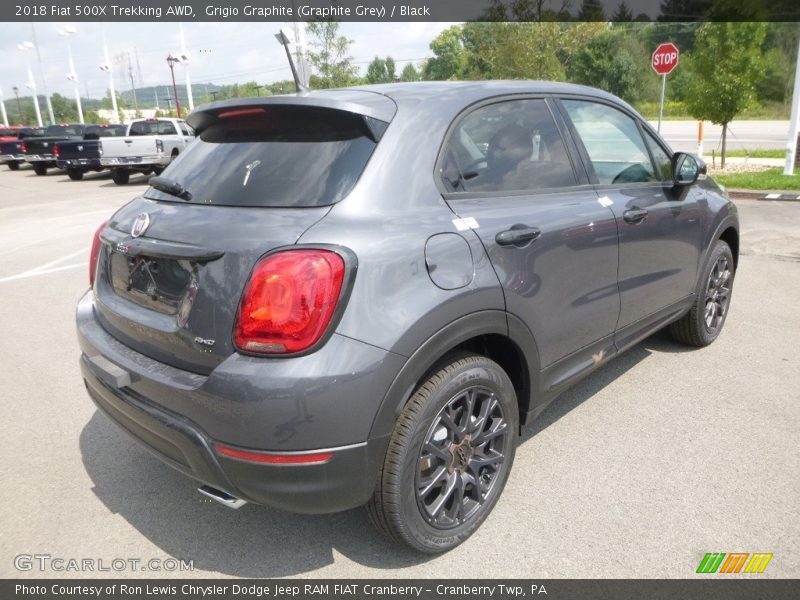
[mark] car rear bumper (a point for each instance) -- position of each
(78, 163)
(11, 157)
(32, 158)
(133, 161)
(185, 439)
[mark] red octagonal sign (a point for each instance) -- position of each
(665, 58)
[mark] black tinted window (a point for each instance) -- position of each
(662, 159)
(278, 156)
(56, 130)
(508, 146)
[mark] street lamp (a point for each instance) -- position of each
(171, 61)
(72, 76)
(106, 67)
(15, 89)
(183, 58)
(3, 109)
(25, 47)
(284, 41)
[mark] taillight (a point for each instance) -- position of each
(289, 301)
(94, 254)
(159, 146)
(56, 151)
(23, 148)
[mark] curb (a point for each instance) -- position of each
(768, 195)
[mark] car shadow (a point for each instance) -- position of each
(90, 176)
(256, 541)
(134, 181)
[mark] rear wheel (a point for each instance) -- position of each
(13, 165)
(120, 176)
(40, 168)
(449, 456)
(75, 174)
(703, 323)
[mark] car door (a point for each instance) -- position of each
(510, 174)
(660, 227)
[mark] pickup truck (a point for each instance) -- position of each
(12, 149)
(79, 156)
(151, 144)
(39, 151)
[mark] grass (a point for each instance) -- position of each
(673, 109)
(758, 153)
(771, 179)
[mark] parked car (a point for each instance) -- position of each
(149, 146)
(12, 146)
(40, 151)
(360, 296)
(80, 156)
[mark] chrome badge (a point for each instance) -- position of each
(248, 169)
(141, 223)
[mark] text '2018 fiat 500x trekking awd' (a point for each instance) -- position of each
(359, 296)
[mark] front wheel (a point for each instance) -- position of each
(449, 456)
(703, 323)
(40, 169)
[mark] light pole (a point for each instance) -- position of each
(15, 89)
(184, 60)
(106, 66)
(41, 74)
(171, 60)
(72, 75)
(3, 108)
(25, 47)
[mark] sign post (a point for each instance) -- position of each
(664, 61)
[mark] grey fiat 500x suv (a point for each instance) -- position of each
(359, 296)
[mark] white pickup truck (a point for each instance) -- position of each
(151, 144)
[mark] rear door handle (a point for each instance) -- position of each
(635, 215)
(518, 235)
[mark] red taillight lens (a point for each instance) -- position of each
(94, 254)
(274, 459)
(23, 148)
(56, 151)
(289, 301)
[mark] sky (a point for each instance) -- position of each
(221, 53)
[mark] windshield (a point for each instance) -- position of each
(278, 156)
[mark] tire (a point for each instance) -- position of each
(427, 452)
(120, 176)
(40, 169)
(13, 165)
(157, 170)
(705, 319)
(75, 174)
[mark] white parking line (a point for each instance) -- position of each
(34, 273)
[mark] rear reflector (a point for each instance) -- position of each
(274, 459)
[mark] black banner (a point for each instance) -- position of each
(383, 589)
(398, 11)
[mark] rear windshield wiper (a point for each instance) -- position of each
(170, 186)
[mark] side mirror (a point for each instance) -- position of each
(686, 168)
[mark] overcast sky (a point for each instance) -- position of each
(221, 53)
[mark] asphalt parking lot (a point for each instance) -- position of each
(663, 455)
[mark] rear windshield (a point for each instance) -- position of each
(280, 156)
(94, 132)
(55, 130)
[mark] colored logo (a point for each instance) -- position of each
(734, 562)
(140, 224)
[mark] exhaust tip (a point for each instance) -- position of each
(223, 498)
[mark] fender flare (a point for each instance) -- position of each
(451, 335)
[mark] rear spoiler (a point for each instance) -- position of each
(378, 110)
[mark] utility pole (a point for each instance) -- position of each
(133, 87)
(15, 89)
(171, 60)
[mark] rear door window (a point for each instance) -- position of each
(166, 128)
(506, 147)
(277, 156)
(612, 141)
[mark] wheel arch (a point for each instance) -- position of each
(492, 333)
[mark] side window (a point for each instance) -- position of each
(613, 142)
(166, 128)
(508, 146)
(662, 159)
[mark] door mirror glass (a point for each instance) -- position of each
(686, 169)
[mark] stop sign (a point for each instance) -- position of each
(665, 58)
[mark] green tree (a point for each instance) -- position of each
(391, 69)
(591, 10)
(64, 110)
(381, 70)
(726, 68)
(409, 73)
(449, 55)
(328, 55)
(623, 13)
